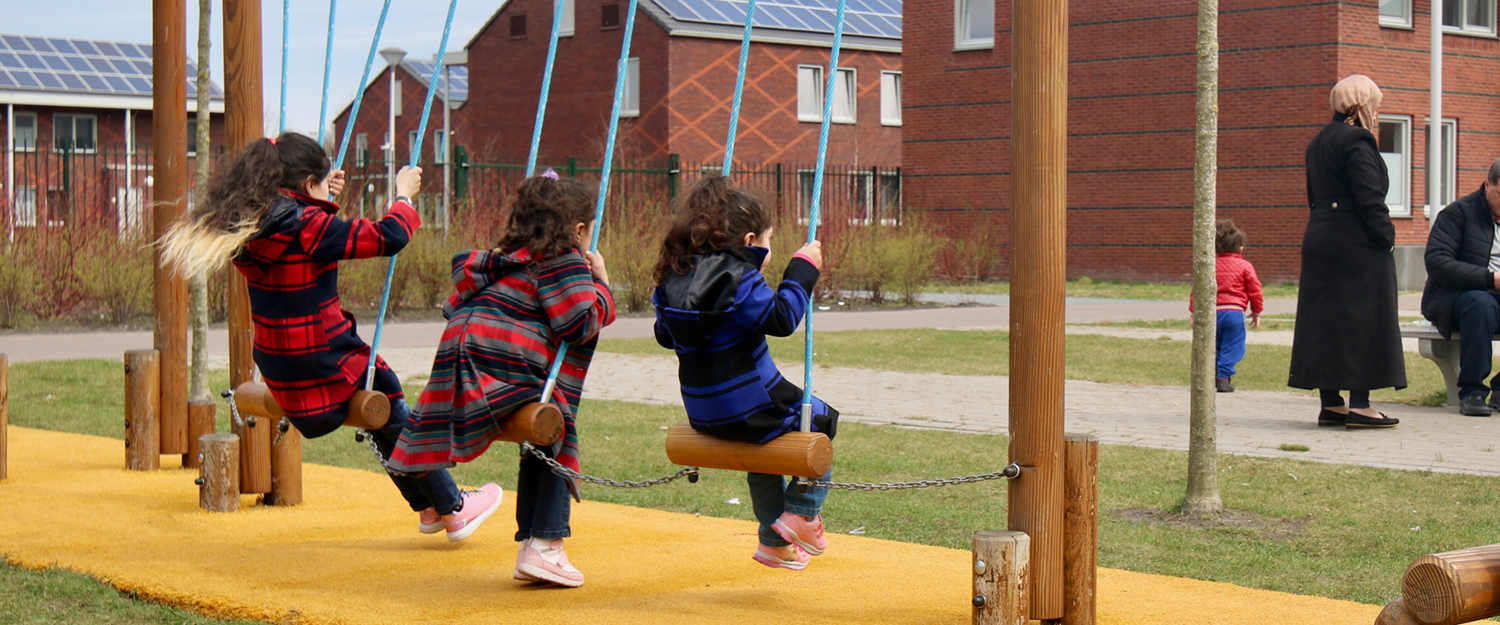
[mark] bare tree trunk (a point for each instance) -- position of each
(198, 286)
(1203, 465)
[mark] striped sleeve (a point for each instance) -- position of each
(577, 305)
(775, 313)
(328, 238)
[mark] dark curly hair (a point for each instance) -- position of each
(1228, 238)
(712, 215)
(542, 215)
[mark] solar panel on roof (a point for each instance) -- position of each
(873, 18)
(459, 74)
(104, 67)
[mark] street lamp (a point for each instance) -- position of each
(393, 58)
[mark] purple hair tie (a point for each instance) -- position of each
(549, 174)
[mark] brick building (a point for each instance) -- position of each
(78, 126)
(680, 83)
(1131, 96)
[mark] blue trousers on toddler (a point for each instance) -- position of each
(772, 495)
(1231, 337)
(434, 489)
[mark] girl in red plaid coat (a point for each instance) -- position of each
(268, 210)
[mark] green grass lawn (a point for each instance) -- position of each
(1332, 530)
(55, 597)
(1097, 358)
(1086, 287)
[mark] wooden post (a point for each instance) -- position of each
(1080, 529)
(142, 392)
(1395, 613)
(201, 415)
(1454, 587)
(255, 453)
(169, 188)
(1038, 193)
(286, 468)
(242, 124)
(1002, 585)
(4, 417)
(219, 479)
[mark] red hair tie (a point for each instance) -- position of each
(272, 140)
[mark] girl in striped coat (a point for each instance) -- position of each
(269, 210)
(514, 305)
(715, 309)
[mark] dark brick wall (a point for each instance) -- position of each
(374, 112)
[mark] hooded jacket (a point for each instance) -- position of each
(505, 320)
(716, 317)
(306, 345)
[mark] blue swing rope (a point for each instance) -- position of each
(286, 20)
(739, 91)
(541, 104)
(817, 205)
(327, 67)
(416, 153)
(338, 161)
(609, 159)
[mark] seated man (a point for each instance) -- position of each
(1463, 288)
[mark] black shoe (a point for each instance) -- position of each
(1494, 401)
(1222, 385)
(1472, 405)
(1329, 417)
(1356, 421)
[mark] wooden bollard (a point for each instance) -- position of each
(201, 416)
(1002, 578)
(1080, 528)
(805, 454)
(538, 423)
(286, 469)
(4, 417)
(219, 477)
(142, 396)
(255, 453)
(1454, 587)
(1395, 613)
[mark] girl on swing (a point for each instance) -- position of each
(269, 210)
(715, 309)
(514, 305)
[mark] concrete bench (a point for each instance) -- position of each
(1443, 352)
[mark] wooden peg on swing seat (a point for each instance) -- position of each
(538, 423)
(802, 454)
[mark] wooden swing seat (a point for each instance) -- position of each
(803, 454)
(368, 410)
(538, 423)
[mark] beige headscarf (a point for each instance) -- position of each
(1359, 98)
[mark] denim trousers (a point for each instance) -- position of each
(433, 489)
(543, 502)
(1476, 317)
(771, 495)
(1231, 339)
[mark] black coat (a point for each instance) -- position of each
(1458, 257)
(1348, 335)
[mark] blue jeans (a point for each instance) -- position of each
(543, 503)
(433, 489)
(771, 495)
(1231, 337)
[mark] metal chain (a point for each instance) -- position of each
(557, 468)
(1010, 472)
(282, 427)
(234, 409)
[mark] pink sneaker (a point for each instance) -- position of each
(544, 561)
(430, 522)
(789, 557)
(478, 506)
(801, 532)
(517, 574)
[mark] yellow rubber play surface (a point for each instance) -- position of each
(352, 554)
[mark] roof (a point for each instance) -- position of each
(868, 24)
(83, 72)
(459, 74)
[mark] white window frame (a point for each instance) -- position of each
(24, 211)
(1480, 30)
(805, 195)
(1394, 21)
(128, 204)
(20, 115)
(439, 140)
(72, 119)
(566, 27)
(1403, 168)
(890, 98)
(1448, 165)
(361, 149)
(870, 199)
(885, 218)
(961, 39)
(411, 144)
(847, 82)
(810, 87)
(630, 101)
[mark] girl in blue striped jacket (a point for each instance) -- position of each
(715, 309)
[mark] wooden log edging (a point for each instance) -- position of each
(1002, 578)
(142, 399)
(201, 420)
(1080, 529)
(4, 418)
(1454, 587)
(219, 477)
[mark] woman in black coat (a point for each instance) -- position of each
(1347, 336)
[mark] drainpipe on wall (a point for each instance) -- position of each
(10, 167)
(1435, 118)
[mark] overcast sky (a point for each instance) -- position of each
(413, 25)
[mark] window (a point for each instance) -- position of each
(565, 27)
(1469, 16)
(1395, 149)
(806, 179)
(128, 202)
(890, 198)
(1447, 164)
(25, 207)
(890, 98)
(77, 133)
(439, 154)
(630, 106)
(609, 16)
(973, 24)
(1395, 13)
(361, 149)
(517, 26)
(810, 95)
(192, 137)
(862, 194)
(411, 144)
(396, 99)
(25, 129)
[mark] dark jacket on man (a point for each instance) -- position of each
(1458, 257)
(1348, 335)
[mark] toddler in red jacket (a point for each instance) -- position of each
(1239, 293)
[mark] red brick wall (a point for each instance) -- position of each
(374, 120)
